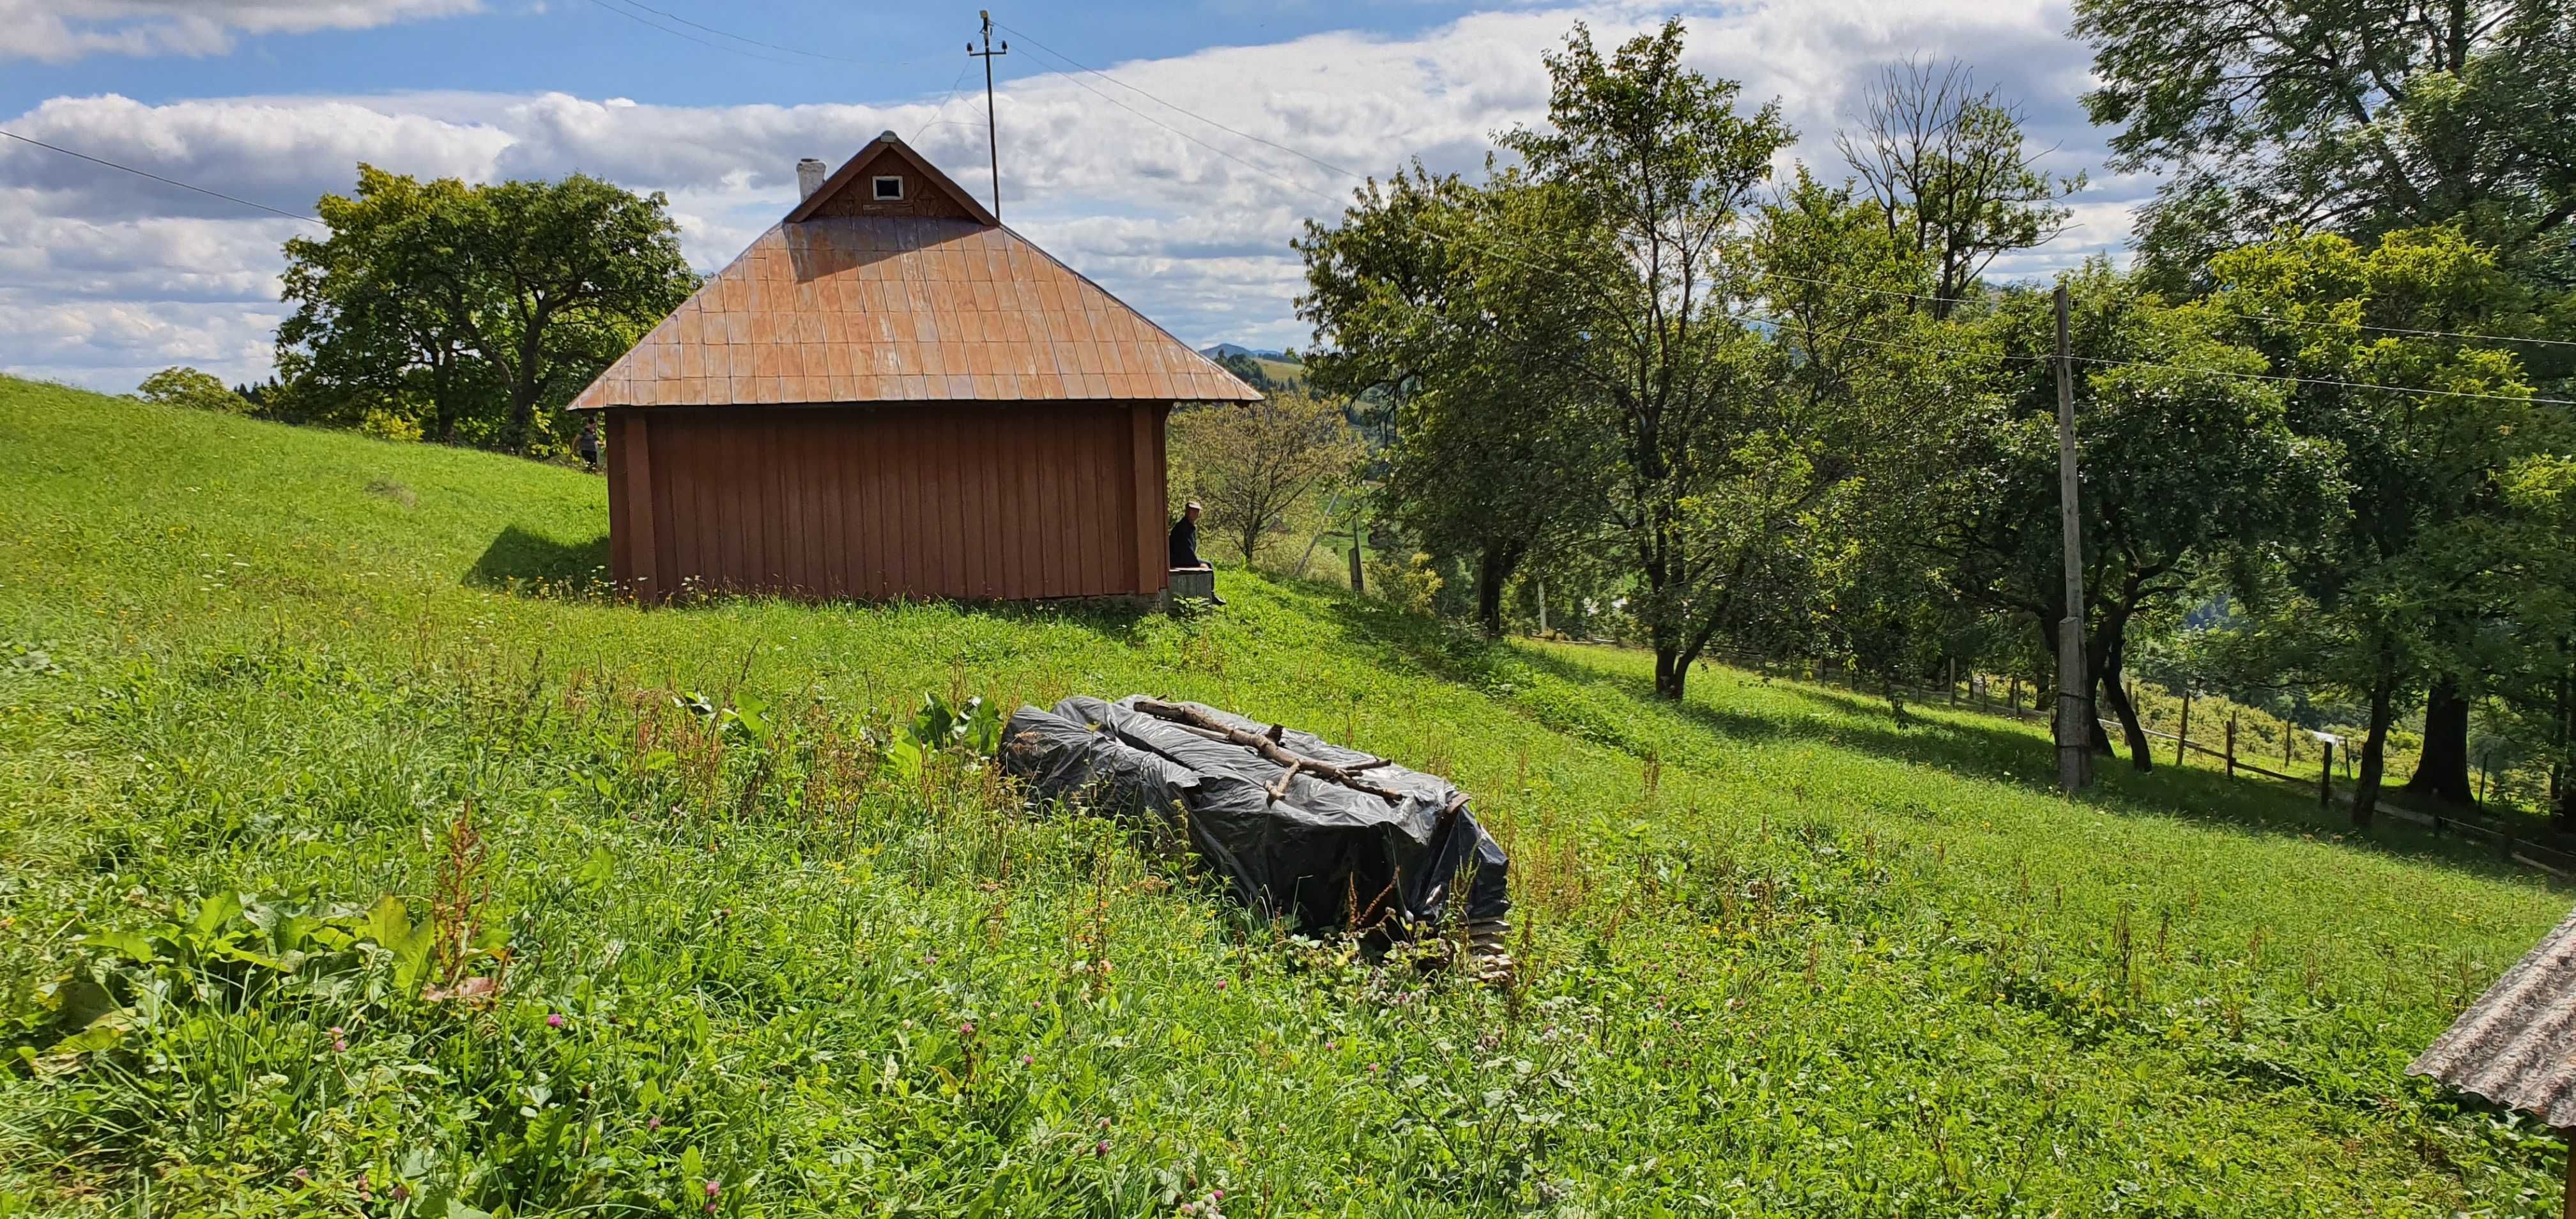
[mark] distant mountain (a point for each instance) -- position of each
(1222, 350)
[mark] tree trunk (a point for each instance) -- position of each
(1494, 568)
(1670, 672)
(2442, 772)
(2562, 763)
(2374, 745)
(2130, 730)
(523, 417)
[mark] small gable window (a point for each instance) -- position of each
(888, 187)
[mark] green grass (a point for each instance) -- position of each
(1787, 953)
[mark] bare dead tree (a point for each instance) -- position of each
(1949, 166)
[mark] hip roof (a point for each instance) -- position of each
(934, 303)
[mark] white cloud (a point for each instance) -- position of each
(59, 31)
(1122, 187)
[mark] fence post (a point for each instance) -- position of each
(2182, 733)
(2231, 746)
(1950, 678)
(2012, 696)
(2325, 776)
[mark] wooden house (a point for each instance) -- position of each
(892, 395)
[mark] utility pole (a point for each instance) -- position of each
(992, 130)
(2074, 718)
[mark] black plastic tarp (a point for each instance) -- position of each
(1325, 854)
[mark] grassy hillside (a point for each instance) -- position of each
(284, 712)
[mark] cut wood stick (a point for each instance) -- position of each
(1268, 748)
(1279, 790)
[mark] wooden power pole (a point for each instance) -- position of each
(992, 130)
(2074, 726)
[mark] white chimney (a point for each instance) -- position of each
(809, 177)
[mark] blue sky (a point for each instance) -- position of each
(105, 278)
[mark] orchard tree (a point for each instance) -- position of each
(1251, 464)
(1659, 172)
(488, 301)
(2423, 558)
(2356, 116)
(1493, 456)
(1952, 174)
(2188, 461)
(190, 388)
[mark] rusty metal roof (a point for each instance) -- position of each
(2516, 1045)
(918, 298)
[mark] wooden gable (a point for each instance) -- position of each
(925, 191)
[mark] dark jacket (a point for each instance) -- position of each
(1185, 544)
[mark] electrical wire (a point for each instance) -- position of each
(141, 173)
(651, 24)
(865, 63)
(1024, 36)
(1761, 319)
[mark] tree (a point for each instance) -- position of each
(1490, 456)
(1250, 464)
(1952, 174)
(1659, 170)
(187, 387)
(2188, 461)
(486, 301)
(2354, 116)
(2419, 562)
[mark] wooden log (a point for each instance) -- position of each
(1269, 748)
(2182, 734)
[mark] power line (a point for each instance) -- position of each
(2235, 313)
(2183, 368)
(140, 173)
(1327, 165)
(865, 63)
(1024, 37)
(651, 24)
(1264, 172)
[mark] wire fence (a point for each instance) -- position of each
(1977, 693)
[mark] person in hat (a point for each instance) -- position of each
(1185, 545)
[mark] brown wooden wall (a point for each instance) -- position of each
(974, 501)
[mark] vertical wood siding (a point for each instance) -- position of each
(971, 501)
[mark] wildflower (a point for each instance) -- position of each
(1331, 1046)
(712, 1188)
(1100, 1148)
(1189, 1208)
(554, 1020)
(340, 1044)
(652, 1123)
(1028, 1060)
(402, 1192)
(303, 1174)
(967, 1029)
(1220, 984)
(1104, 1123)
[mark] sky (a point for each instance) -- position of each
(1113, 143)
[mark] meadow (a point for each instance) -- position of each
(365, 857)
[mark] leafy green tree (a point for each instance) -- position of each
(2355, 116)
(2188, 461)
(1252, 464)
(1492, 457)
(485, 301)
(1952, 174)
(1659, 170)
(2421, 558)
(185, 386)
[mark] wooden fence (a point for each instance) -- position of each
(2549, 859)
